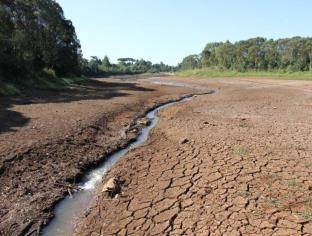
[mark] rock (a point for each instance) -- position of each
(184, 140)
(24, 228)
(144, 122)
(112, 187)
(134, 130)
(266, 225)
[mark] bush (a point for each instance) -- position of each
(48, 74)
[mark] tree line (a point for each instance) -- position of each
(101, 67)
(290, 54)
(37, 40)
(34, 36)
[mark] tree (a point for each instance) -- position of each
(34, 35)
(292, 54)
(225, 55)
(126, 61)
(106, 63)
(208, 56)
(97, 67)
(190, 62)
(94, 65)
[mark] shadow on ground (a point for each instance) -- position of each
(94, 90)
(10, 119)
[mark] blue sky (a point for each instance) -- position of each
(168, 30)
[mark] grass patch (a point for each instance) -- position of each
(53, 84)
(215, 73)
(244, 125)
(241, 151)
(292, 183)
(8, 89)
(308, 165)
(307, 215)
(274, 201)
(244, 194)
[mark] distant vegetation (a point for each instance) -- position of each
(35, 37)
(38, 43)
(214, 72)
(97, 67)
(253, 56)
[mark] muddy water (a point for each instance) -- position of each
(69, 210)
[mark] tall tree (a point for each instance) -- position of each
(35, 35)
(106, 63)
(292, 54)
(190, 62)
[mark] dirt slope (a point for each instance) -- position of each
(47, 139)
(245, 169)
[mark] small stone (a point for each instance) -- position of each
(184, 140)
(112, 187)
(134, 130)
(266, 225)
(144, 122)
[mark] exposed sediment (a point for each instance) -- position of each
(41, 160)
(245, 168)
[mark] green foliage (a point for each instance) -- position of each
(215, 72)
(256, 54)
(190, 62)
(307, 215)
(106, 63)
(8, 89)
(35, 35)
(97, 67)
(43, 83)
(48, 74)
(38, 46)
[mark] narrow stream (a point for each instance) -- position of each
(69, 211)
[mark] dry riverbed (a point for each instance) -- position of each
(236, 162)
(48, 140)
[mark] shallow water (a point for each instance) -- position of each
(71, 209)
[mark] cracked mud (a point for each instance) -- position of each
(237, 162)
(68, 132)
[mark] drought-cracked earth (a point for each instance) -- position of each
(237, 162)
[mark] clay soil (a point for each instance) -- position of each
(236, 162)
(48, 140)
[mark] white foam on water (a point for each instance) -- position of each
(95, 178)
